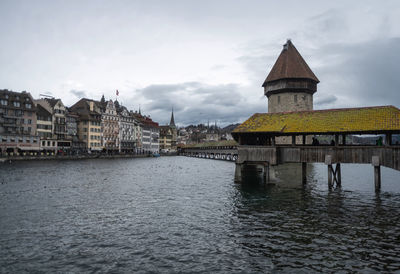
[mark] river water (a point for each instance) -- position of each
(178, 214)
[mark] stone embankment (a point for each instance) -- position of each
(71, 157)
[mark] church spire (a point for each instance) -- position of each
(172, 122)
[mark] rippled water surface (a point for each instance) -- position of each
(177, 214)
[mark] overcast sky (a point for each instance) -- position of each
(206, 59)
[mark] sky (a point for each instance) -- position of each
(205, 59)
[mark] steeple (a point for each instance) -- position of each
(172, 122)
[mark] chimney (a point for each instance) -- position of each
(91, 105)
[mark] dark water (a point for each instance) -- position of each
(177, 214)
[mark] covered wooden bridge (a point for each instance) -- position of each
(220, 150)
(275, 138)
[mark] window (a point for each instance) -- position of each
(28, 105)
(43, 143)
(16, 104)
(29, 122)
(29, 129)
(4, 102)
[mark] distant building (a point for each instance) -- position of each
(110, 127)
(58, 112)
(89, 123)
(169, 135)
(150, 133)
(72, 119)
(165, 138)
(128, 126)
(18, 122)
(45, 129)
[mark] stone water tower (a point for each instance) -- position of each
(290, 85)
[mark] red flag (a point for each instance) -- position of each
(117, 92)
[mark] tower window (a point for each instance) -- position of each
(279, 99)
(295, 98)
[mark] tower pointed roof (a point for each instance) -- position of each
(172, 122)
(290, 65)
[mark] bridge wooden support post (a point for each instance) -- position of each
(238, 173)
(338, 175)
(377, 172)
(266, 173)
(334, 175)
(304, 172)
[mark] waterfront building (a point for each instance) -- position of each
(89, 123)
(165, 138)
(72, 119)
(18, 122)
(110, 126)
(169, 135)
(127, 131)
(45, 130)
(58, 111)
(139, 131)
(150, 135)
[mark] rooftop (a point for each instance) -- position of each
(290, 65)
(348, 120)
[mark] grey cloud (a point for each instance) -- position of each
(324, 101)
(365, 73)
(258, 66)
(78, 93)
(195, 102)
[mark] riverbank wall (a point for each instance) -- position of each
(71, 157)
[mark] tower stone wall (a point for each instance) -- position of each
(290, 101)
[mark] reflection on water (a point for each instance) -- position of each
(176, 214)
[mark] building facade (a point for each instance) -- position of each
(110, 127)
(45, 130)
(168, 136)
(18, 123)
(127, 133)
(59, 125)
(150, 135)
(89, 123)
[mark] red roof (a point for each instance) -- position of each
(290, 64)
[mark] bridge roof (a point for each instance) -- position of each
(347, 120)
